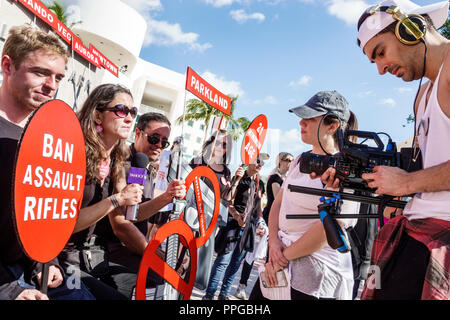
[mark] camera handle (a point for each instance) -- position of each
(336, 237)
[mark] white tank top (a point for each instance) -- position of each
(433, 133)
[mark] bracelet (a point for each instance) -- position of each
(114, 201)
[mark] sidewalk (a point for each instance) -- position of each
(198, 294)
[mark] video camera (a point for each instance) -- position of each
(354, 159)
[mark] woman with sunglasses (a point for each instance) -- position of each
(299, 247)
(106, 119)
(276, 179)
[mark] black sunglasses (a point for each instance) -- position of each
(121, 111)
(155, 139)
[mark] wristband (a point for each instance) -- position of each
(114, 201)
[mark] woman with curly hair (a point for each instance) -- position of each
(106, 120)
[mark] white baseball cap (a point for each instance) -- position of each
(373, 24)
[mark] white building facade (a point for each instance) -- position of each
(154, 88)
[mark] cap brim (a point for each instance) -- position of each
(438, 12)
(306, 112)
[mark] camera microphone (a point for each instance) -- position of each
(138, 175)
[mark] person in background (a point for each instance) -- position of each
(273, 186)
(276, 179)
(230, 244)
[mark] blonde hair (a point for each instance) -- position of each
(25, 39)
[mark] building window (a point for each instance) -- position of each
(190, 123)
(202, 127)
(187, 136)
(199, 140)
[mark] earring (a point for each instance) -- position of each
(98, 128)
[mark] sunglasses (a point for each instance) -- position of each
(288, 160)
(121, 111)
(155, 139)
(259, 161)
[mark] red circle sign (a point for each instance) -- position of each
(49, 180)
(254, 139)
(193, 178)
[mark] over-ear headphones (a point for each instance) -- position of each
(410, 28)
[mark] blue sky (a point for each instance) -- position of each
(276, 54)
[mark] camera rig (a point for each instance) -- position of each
(350, 163)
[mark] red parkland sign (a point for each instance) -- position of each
(151, 260)
(49, 180)
(92, 55)
(207, 93)
(254, 139)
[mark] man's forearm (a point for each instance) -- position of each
(131, 237)
(433, 179)
(149, 208)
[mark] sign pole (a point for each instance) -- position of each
(44, 279)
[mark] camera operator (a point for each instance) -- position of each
(317, 271)
(411, 251)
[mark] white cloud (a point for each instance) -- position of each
(388, 101)
(268, 100)
(241, 16)
(403, 89)
(347, 10)
(365, 94)
(301, 82)
(144, 5)
(164, 33)
(225, 86)
(220, 3)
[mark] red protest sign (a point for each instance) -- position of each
(193, 177)
(151, 260)
(254, 139)
(49, 180)
(207, 93)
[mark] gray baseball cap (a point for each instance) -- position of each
(322, 103)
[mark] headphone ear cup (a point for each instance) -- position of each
(406, 37)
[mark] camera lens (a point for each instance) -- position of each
(318, 164)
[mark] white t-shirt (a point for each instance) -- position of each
(326, 273)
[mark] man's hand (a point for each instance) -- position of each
(236, 215)
(239, 173)
(55, 277)
(388, 180)
(176, 188)
(328, 178)
(31, 294)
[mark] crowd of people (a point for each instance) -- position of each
(410, 250)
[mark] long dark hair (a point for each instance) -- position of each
(207, 147)
(95, 148)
